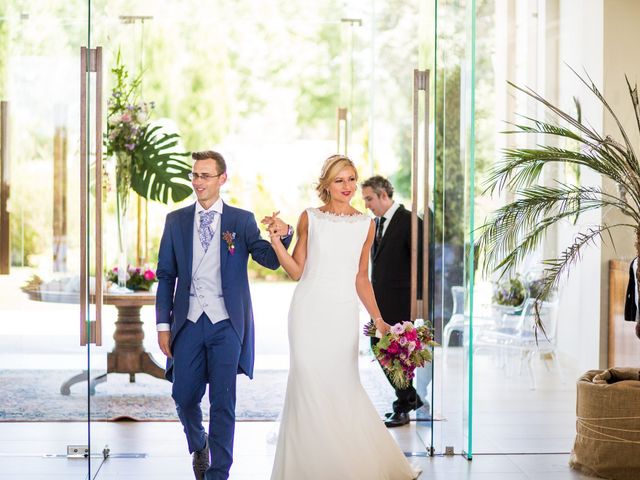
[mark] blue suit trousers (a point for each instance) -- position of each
(206, 353)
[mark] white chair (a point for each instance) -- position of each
(457, 320)
(516, 334)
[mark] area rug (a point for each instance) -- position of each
(34, 395)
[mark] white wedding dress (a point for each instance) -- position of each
(330, 430)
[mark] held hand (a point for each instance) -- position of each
(275, 225)
(274, 236)
(382, 326)
(164, 338)
(269, 220)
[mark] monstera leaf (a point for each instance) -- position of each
(159, 172)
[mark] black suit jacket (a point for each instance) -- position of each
(391, 268)
(630, 306)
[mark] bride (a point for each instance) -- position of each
(330, 430)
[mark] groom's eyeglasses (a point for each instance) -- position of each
(203, 176)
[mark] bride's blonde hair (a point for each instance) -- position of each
(330, 170)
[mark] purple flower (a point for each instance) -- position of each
(397, 329)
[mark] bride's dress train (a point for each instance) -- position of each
(329, 428)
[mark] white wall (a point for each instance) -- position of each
(598, 37)
(581, 47)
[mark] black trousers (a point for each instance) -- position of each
(407, 399)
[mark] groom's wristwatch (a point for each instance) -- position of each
(289, 232)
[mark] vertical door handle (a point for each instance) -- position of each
(90, 330)
(419, 309)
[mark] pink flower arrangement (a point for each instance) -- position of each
(402, 350)
(138, 278)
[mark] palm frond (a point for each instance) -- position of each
(569, 119)
(556, 267)
(591, 137)
(633, 93)
(596, 91)
(516, 229)
(540, 127)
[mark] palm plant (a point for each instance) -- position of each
(518, 228)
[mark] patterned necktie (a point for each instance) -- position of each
(205, 231)
(379, 227)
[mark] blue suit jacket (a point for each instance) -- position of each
(174, 274)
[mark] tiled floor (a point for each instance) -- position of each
(36, 451)
(508, 418)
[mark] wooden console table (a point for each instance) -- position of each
(128, 354)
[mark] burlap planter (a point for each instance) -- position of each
(608, 424)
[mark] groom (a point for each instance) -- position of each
(203, 310)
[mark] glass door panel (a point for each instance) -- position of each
(40, 234)
(530, 407)
(452, 194)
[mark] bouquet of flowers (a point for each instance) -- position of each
(138, 278)
(402, 350)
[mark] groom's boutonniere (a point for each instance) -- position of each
(229, 237)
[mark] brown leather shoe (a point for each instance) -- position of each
(398, 419)
(200, 460)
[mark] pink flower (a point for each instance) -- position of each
(411, 335)
(149, 275)
(393, 348)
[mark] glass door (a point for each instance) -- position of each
(452, 181)
(47, 237)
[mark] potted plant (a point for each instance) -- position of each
(517, 229)
(509, 295)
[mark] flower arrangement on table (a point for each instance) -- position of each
(148, 160)
(137, 278)
(402, 350)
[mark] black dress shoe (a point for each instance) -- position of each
(398, 419)
(200, 460)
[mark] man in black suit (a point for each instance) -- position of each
(391, 274)
(631, 303)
